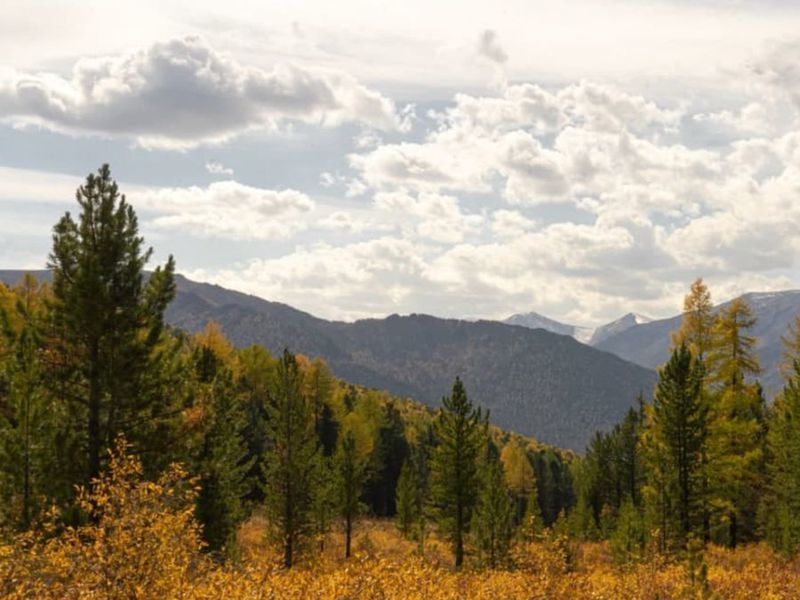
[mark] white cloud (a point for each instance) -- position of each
(216, 168)
(227, 209)
(433, 217)
(181, 93)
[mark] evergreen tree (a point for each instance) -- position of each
(392, 450)
(407, 496)
(292, 460)
(223, 465)
(27, 417)
(696, 331)
(781, 506)
(461, 431)
(736, 430)
(107, 322)
(679, 431)
(494, 512)
(324, 503)
(351, 471)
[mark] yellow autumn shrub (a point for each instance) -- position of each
(143, 542)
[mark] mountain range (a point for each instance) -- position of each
(592, 336)
(532, 381)
(646, 342)
(553, 381)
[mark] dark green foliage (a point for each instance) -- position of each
(223, 465)
(291, 462)
(107, 323)
(492, 522)
(461, 431)
(679, 433)
(351, 469)
(381, 489)
(408, 507)
(780, 508)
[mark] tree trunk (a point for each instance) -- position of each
(287, 552)
(348, 532)
(95, 443)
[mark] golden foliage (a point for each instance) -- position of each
(143, 542)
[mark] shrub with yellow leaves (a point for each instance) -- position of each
(142, 541)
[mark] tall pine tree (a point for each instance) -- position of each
(679, 432)
(493, 519)
(291, 462)
(107, 322)
(461, 431)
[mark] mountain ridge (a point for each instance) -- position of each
(534, 382)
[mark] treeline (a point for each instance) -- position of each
(707, 460)
(88, 360)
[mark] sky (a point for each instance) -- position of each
(581, 159)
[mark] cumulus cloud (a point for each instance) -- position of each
(181, 93)
(227, 209)
(435, 217)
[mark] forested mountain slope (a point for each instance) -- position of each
(534, 382)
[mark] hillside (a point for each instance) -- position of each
(534, 382)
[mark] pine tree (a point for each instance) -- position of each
(407, 505)
(696, 331)
(494, 512)
(291, 461)
(679, 432)
(736, 430)
(461, 431)
(223, 465)
(107, 322)
(351, 471)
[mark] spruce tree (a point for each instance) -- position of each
(679, 429)
(351, 470)
(291, 462)
(493, 519)
(461, 431)
(107, 322)
(223, 465)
